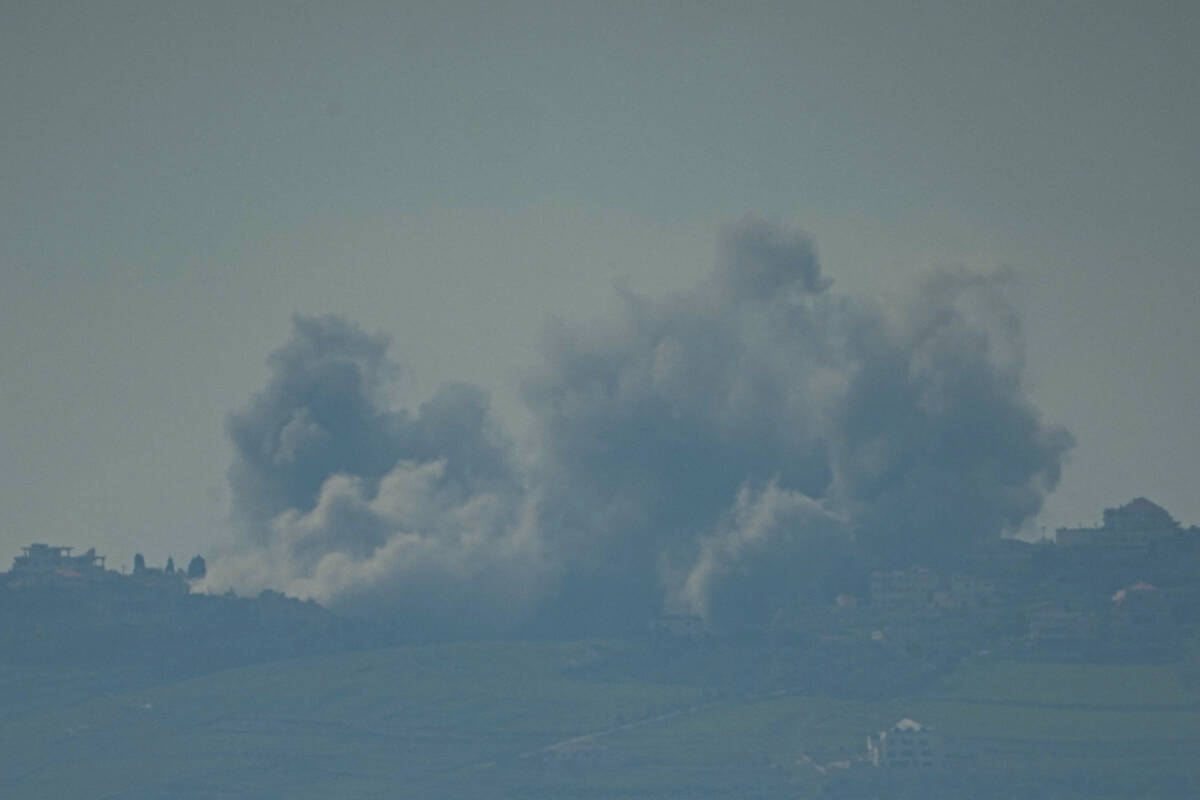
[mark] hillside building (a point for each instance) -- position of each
(40, 563)
(906, 745)
(1130, 529)
(46, 565)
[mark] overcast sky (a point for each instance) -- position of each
(177, 180)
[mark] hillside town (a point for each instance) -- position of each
(1121, 590)
(53, 565)
(64, 608)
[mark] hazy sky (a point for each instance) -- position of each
(177, 180)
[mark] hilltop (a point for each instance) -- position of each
(1066, 668)
(67, 615)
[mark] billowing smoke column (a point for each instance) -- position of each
(344, 500)
(727, 450)
(732, 450)
(651, 426)
(933, 442)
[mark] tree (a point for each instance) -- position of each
(197, 569)
(170, 570)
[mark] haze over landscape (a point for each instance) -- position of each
(729, 444)
(625, 400)
(180, 181)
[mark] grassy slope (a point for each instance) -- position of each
(426, 718)
(459, 720)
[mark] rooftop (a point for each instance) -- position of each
(907, 724)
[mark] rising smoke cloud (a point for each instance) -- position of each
(343, 499)
(727, 450)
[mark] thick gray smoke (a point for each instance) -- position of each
(934, 444)
(345, 500)
(727, 451)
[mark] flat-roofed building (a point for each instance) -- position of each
(1134, 527)
(45, 562)
(906, 745)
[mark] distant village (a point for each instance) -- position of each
(1122, 591)
(53, 565)
(65, 608)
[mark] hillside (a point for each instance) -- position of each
(532, 720)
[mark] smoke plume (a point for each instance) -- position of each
(342, 499)
(727, 451)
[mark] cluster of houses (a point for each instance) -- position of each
(907, 744)
(1122, 590)
(42, 563)
(1125, 589)
(54, 566)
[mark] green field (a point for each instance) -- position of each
(481, 720)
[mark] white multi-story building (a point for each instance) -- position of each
(906, 745)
